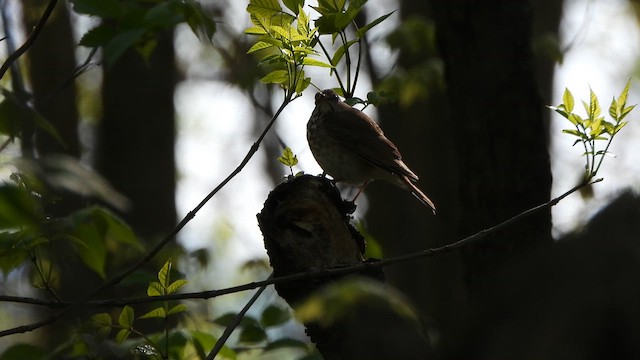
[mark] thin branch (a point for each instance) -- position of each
(314, 274)
(30, 40)
(236, 321)
(118, 278)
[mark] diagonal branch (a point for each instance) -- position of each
(168, 238)
(315, 274)
(30, 40)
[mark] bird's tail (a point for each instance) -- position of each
(424, 199)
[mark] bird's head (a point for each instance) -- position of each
(327, 95)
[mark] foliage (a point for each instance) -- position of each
(30, 231)
(128, 24)
(592, 130)
(289, 159)
(287, 40)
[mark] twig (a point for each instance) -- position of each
(236, 321)
(30, 40)
(314, 274)
(116, 279)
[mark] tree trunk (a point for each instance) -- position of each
(479, 144)
(135, 150)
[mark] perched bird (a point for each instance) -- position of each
(352, 148)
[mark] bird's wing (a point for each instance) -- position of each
(356, 131)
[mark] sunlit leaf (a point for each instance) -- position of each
(155, 313)
(567, 100)
(288, 158)
(176, 285)
(164, 274)
(260, 45)
(126, 317)
(573, 132)
(594, 105)
(177, 309)
(276, 76)
(622, 99)
(155, 289)
(314, 62)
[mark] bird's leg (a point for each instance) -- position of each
(361, 190)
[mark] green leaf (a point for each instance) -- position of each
(256, 30)
(626, 111)
(225, 319)
(294, 5)
(122, 335)
(200, 23)
(276, 77)
(98, 36)
(342, 50)
(155, 289)
(101, 319)
(202, 342)
(286, 343)
(155, 313)
(575, 119)
(252, 334)
(330, 6)
(567, 100)
(613, 109)
(363, 30)
(314, 62)
(18, 208)
(13, 113)
(273, 316)
(164, 274)
(288, 158)
(23, 351)
(120, 43)
(164, 14)
(177, 309)
(260, 45)
(594, 105)
(176, 285)
(574, 132)
(264, 8)
(622, 99)
(303, 22)
(301, 85)
(101, 8)
(126, 317)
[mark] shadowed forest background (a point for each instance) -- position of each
(469, 85)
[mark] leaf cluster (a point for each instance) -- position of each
(253, 331)
(594, 128)
(134, 23)
(103, 323)
(286, 40)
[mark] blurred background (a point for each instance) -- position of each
(469, 84)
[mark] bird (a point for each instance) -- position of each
(352, 148)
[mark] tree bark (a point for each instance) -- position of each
(306, 227)
(479, 144)
(135, 149)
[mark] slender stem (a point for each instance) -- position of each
(236, 321)
(314, 274)
(30, 40)
(118, 278)
(347, 60)
(335, 71)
